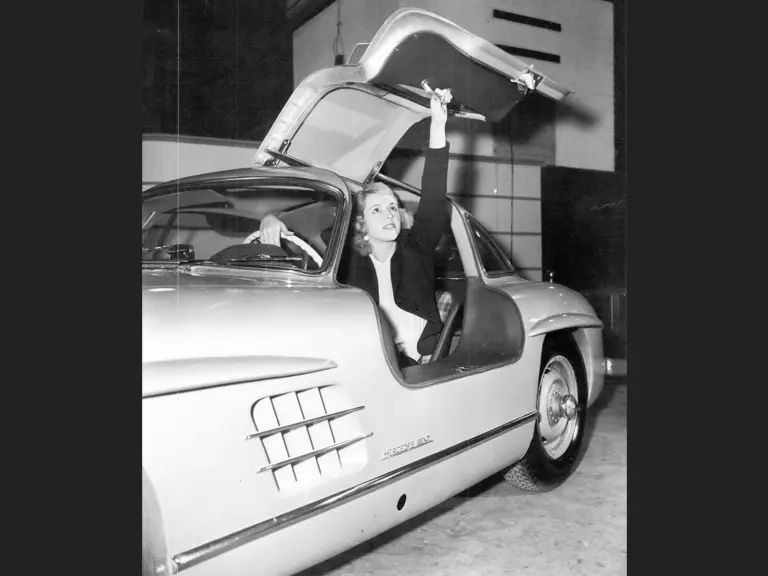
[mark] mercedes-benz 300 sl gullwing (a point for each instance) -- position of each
(278, 428)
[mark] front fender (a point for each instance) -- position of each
(564, 321)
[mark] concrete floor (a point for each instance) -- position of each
(495, 528)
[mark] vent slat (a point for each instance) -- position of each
(308, 422)
(315, 453)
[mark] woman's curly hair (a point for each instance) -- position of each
(363, 246)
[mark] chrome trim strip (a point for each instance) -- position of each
(164, 377)
(309, 422)
(230, 542)
(314, 453)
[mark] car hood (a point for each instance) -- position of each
(348, 118)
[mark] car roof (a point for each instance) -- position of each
(251, 175)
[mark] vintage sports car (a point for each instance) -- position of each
(277, 427)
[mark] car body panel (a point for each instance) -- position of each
(339, 528)
(206, 433)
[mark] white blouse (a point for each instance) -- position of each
(407, 327)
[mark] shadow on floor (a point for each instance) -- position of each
(474, 491)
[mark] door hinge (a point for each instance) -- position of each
(283, 149)
(372, 174)
(528, 80)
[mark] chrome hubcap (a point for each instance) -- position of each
(558, 406)
(561, 407)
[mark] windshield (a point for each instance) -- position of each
(220, 224)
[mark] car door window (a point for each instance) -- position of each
(492, 258)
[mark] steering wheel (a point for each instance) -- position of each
(295, 239)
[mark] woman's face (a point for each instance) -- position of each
(382, 216)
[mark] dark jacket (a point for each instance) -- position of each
(413, 262)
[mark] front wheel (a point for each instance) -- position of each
(556, 446)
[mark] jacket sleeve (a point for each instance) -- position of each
(434, 212)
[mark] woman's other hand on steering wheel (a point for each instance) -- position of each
(271, 228)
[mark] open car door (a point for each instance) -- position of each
(349, 118)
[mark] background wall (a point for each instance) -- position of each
(168, 157)
(214, 68)
(584, 233)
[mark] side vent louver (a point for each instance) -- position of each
(308, 435)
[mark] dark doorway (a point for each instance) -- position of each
(583, 225)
